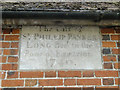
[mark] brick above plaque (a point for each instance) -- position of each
(60, 48)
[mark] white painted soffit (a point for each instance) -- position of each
(59, 0)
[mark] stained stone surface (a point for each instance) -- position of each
(60, 48)
(60, 6)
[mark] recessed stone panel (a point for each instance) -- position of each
(60, 48)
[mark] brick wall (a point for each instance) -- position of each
(59, 80)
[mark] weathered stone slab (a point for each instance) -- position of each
(60, 48)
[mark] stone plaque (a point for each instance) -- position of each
(60, 48)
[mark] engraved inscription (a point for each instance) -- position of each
(60, 47)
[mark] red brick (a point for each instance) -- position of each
(108, 81)
(12, 83)
(1, 44)
(118, 44)
(106, 73)
(12, 37)
(1, 51)
(88, 88)
(50, 82)
(6, 31)
(108, 44)
(9, 66)
(15, 31)
(49, 88)
(12, 59)
(69, 88)
(109, 58)
(116, 65)
(107, 30)
(118, 58)
(32, 74)
(50, 74)
(69, 74)
(88, 73)
(115, 37)
(14, 44)
(117, 81)
(30, 88)
(5, 44)
(108, 66)
(116, 51)
(12, 74)
(107, 88)
(10, 51)
(0, 59)
(69, 82)
(2, 37)
(89, 81)
(2, 75)
(1, 30)
(31, 82)
(117, 30)
(3, 59)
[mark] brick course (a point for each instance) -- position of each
(31, 82)
(89, 81)
(108, 81)
(69, 74)
(88, 73)
(9, 66)
(50, 74)
(12, 83)
(34, 74)
(50, 82)
(12, 74)
(69, 82)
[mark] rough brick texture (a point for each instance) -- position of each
(10, 51)
(88, 73)
(106, 73)
(12, 83)
(11, 37)
(30, 82)
(108, 66)
(50, 82)
(34, 74)
(109, 58)
(108, 81)
(12, 74)
(69, 74)
(12, 59)
(69, 82)
(9, 66)
(50, 74)
(89, 81)
(108, 44)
